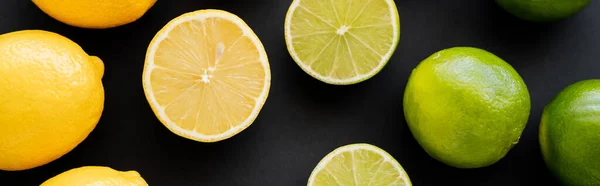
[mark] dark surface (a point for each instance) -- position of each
(305, 119)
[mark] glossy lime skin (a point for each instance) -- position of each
(543, 10)
(570, 134)
(466, 107)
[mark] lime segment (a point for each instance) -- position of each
(342, 42)
(360, 165)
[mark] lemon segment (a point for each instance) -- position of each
(360, 165)
(342, 42)
(206, 75)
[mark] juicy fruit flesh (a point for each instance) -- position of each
(96, 175)
(208, 77)
(95, 13)
(342, 41)
(466, 107)
(570, 134)
(359, 165)
(52, 97)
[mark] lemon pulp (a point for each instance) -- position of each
(206, 75)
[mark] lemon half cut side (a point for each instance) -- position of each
(206, 75)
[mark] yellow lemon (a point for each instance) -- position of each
(96, 175)
(96, 14)
(52, 97)
(206, 75)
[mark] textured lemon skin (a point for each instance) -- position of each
(570, 134)
(96, 175)
(52, 97)
(95, 14)
(466, 107)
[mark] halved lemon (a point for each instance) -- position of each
(360, 165)
(342, 42)
(206, 75)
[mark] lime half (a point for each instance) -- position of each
(342, 42)
(360, 165)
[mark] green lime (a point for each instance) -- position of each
(543, 10)
(342, 42)
(570, 134)
(466, 107)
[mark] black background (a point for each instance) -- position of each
(304, 119)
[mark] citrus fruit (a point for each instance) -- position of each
(342, 42)
(95, 14)
(96, 175)
(206, 75)
(360, 165)
(570, 134)
(543, 10)
(52, 97)
(466, 107)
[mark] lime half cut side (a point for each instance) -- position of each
(359, 165)
(342, 42)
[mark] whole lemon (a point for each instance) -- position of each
(466, 107)
(570, 134)
(96, 175)
(95, 14)
(52, 97)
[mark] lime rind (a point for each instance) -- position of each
(447, 107)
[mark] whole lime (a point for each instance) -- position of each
(466, 107)
(543, 10)
(570, 134)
